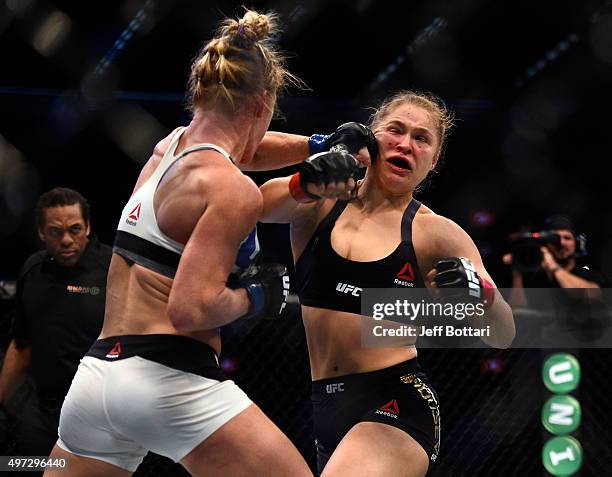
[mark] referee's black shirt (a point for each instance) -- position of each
(59, 313)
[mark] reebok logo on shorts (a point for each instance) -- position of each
(115, 352)
(391, 409)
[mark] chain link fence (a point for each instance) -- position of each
(491, 402)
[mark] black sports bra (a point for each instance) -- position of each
(327, 280)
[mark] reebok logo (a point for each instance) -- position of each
(405, 276)
(391, 409)
(134, 215)
(334, 388)
(115, 352)
(348, 289)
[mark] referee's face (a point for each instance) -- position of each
(64, 233)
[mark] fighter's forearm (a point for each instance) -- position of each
(278, 150)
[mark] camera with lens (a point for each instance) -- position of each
(525, 247)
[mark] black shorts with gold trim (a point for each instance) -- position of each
(399, 396)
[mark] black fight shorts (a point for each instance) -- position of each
(399, 396)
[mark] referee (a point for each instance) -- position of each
(59, 313)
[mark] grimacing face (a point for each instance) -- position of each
(409, 144)
(64, 233)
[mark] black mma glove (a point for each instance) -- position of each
(325, 167)
(460, 273)
(352, 135)
(267, 286)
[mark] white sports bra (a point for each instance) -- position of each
(139, 238)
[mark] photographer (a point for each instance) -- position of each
(549, 259)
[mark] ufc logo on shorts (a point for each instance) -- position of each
(334, 388)
(472, 277)
(286, 285)
(345, 288)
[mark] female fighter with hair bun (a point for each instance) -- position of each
(152, 381)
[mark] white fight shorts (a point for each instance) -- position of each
(134, 394)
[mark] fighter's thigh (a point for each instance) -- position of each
(372, 448)
(77, 466)
(248, 444)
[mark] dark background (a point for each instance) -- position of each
(87, 88)
(81, 105)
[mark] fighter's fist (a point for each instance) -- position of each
(326, 174)
(460, 273)
(267, 286)
(352, 136)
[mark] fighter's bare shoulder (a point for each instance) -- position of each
(161, 146)
(440, 233)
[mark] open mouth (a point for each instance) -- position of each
(401, 163)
